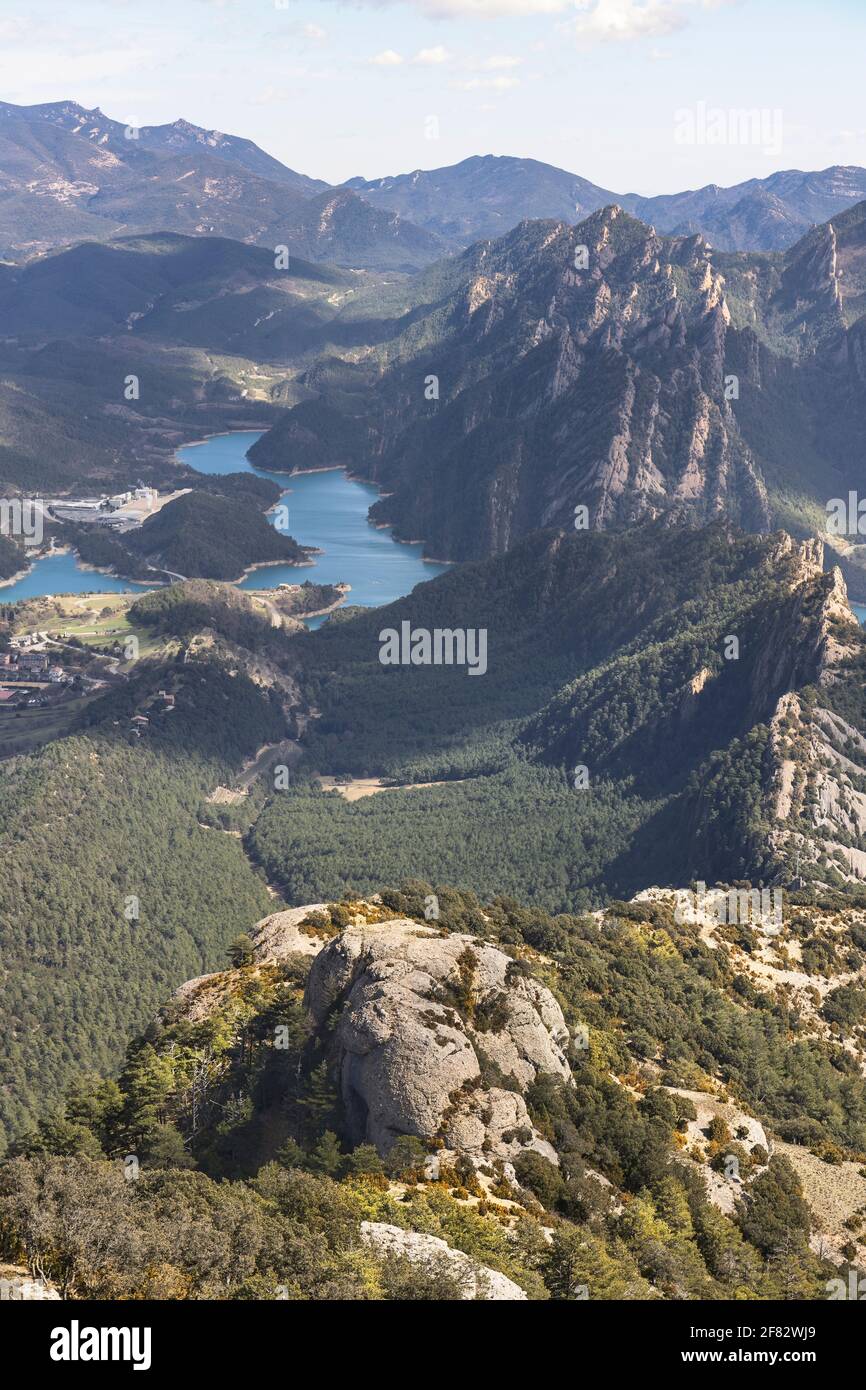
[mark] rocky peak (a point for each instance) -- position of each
(437, 1036)
(810, 557)
(811, 277)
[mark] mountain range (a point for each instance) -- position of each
(350, 955)
(485, 195)
(596, 374)
(67, 173)
(560, 374)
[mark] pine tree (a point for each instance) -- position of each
(241, 952)
(165, 1149)
(327, 1157)
(364, 1159)
(318, 1103)
(578, 1267)
(147, 1082)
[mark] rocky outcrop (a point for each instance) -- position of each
(725, 1186)
(279, 936)
(437, 1036)
(434, 1256)
(275, 938)
(18, 1285)
(816, 758)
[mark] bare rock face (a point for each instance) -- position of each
(433, 1031)
(18, 1285)
(279, 936)
(432, 1254)
(275, 938)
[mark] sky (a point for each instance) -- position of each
(637, 95)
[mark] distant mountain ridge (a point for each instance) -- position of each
(761, 214)
(179, 136)
(68, 174)
(484, 195)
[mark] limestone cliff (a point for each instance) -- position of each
(601, 366)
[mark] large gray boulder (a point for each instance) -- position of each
(430, 1027)
(431, 1254)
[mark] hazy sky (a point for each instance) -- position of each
(384, 86)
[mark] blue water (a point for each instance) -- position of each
(62, 574)
(327, 510)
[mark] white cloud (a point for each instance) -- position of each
(387, 59)
(500, 61)
(596, 20)
(315, 33)
(621, 21)
(432, 57)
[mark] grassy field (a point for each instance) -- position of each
(97, 620)
(23, 730)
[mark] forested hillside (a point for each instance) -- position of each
(113, 355)
(657, 1165)
(693, 1042)
(12, 561)
(201, 536)
(648, 699)
(616, 739)
(111, 891)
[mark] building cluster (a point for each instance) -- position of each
(103, 511)
(30, 666)
(161, 703)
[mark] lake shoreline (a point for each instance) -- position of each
(16, 578)
(329, 511)
(269, 564)
(330, 515)
(326, 468)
